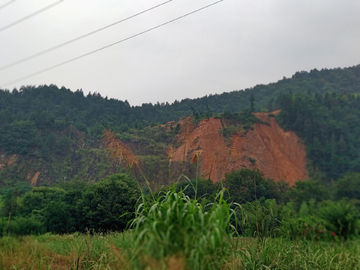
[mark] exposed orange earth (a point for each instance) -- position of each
(278, 154)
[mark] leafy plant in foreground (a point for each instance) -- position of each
(260, 218)
(172, 224)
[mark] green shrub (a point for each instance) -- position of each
(252, 160)
(348, 186)
(38, 198)
(307, 209)
(109, 204)
(261, 218)
(21, 226)
(308, 227)
(341, 218)
(230, 131)
(58, 217)
(205, 188)
(243, 183)
(304, 191)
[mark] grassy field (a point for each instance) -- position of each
(117, 251)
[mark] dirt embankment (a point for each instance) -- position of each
(279, 154)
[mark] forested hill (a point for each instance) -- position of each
(329, 124)
(50, 134)
(88, 113)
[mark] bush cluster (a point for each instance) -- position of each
(308, 210)
(71, 207)
(262, 207)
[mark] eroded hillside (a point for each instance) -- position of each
(279, 154)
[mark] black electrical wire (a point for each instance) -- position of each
(6, 4)
(30, 15)
(80, 37)
(110, 45)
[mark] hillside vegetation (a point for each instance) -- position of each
(329, 125)
(50, 134)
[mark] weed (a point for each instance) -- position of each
(175, 225)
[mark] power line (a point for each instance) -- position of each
(30, 15)
(110, 45)
(80, 37)
(6, 4)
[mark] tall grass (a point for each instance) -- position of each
(257, 220)
(63, 252)
(173, 225)
(284, 254)
(118, 251)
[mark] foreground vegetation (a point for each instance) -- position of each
(117, 251)
(245, 222)
(75, 206)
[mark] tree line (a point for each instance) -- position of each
(109, 205)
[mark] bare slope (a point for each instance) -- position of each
(279, 154)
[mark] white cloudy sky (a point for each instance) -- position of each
(229, 46)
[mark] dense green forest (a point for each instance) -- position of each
(49, 104)
(329, 126)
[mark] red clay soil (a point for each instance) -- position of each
(278, 154)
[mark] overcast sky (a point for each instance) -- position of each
(232, 45)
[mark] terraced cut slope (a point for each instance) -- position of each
(279, 154)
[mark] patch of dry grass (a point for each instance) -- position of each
(115, 251)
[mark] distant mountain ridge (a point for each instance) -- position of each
(77, 107)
